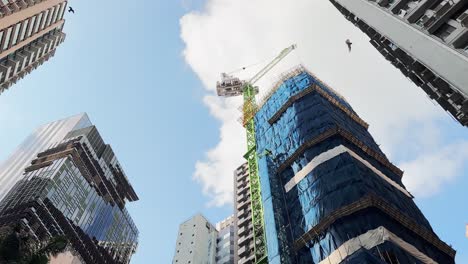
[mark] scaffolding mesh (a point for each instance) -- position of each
(286, 124)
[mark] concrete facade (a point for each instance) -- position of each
(427, 40)
(225, 242)
(30, 31)
(243, 213)
(196, 242)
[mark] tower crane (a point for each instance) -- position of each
(232, 86)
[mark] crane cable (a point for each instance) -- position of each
(251, 65)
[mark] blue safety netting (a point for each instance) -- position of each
(333, 184)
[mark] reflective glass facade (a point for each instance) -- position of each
(73, 186)
(11, 170)
(329, 193)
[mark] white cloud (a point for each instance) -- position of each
(430, 172)
(229, 34)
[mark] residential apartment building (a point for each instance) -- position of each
(225, 242)
(427, 40)
(243, 212)
(64, 180)
(329, 193)
(30, 31)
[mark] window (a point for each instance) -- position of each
(31, 25)
(49, 18)
(62, 10)
(44, 19)
(54, 18)
(1, 36)
(15, 35)
(444, 31)
(23, 29)
(38, 21)
(6, 40)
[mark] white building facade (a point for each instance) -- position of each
(196, 242)
(427, 40)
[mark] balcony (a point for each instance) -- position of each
(247, 260)
(247, 219)
(243, 204)
(245, 230)
(242, 197)
(245, 239)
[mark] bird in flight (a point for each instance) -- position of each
(70, 9)
(349, 43)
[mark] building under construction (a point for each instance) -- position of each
(329, 194)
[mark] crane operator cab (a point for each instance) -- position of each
(229, 86)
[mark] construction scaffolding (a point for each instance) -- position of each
(329, 193)
(232, 86)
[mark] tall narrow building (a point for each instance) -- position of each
(65, 181)
(30, 31)
(243, 211)
(196, 242)
(330, 195)
(225, 242)
(427, 40)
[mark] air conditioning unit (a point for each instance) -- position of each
(402, 13)
(463, 19)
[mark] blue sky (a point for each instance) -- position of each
(149, 92)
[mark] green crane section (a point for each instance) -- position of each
(232, 86)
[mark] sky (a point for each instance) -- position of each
(145, 73)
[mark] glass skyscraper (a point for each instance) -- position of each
(64, 180)
(330, 195)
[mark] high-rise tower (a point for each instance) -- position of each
(225, 242)
(30, 31)
(65, 181)
(243, 211)
(427, 40)
(329, 193)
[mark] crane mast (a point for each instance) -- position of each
(232, 86)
